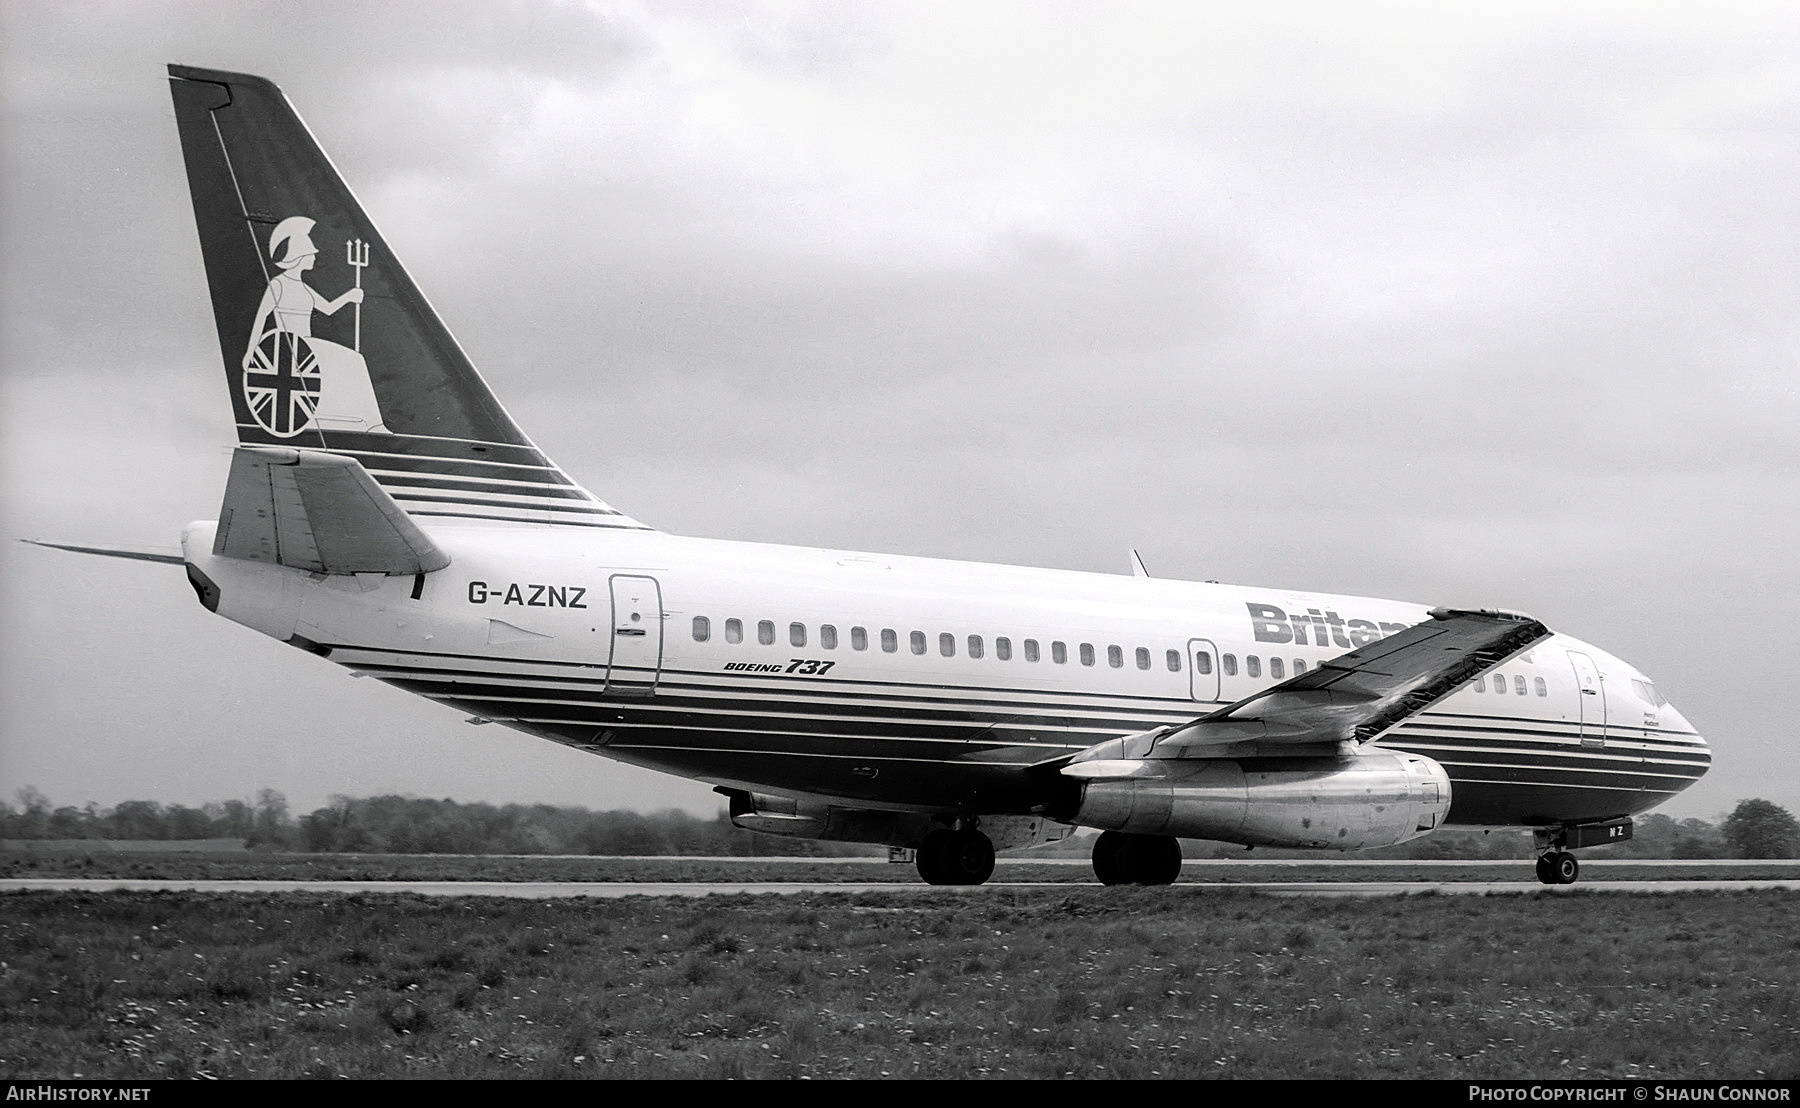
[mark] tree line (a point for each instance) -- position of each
(411, 825)
(404, 825)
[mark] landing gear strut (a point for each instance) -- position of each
(1557, 868)
(963, 857)
(1124, 859)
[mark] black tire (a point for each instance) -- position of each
(1156, 860)
(1124, 859)
(933, 861)
(1567, 868)
(1107, 863)
(1546, 870)
(969, 858)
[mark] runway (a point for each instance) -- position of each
(544, 890)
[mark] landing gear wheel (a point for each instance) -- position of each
(1566, 868)
(956, 858)
(970, 857)
(1122, 859)
(1558, 867)
(1108, 867)
(932, 866)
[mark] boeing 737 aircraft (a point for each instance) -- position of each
(383, 511)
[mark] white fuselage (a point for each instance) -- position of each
(918, 684)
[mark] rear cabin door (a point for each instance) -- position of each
(637, 636)
(1592, 695)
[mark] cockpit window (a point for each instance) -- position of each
(1648, 692)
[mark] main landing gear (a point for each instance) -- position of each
(1557, 868)
(1124, 859)
(964, 857)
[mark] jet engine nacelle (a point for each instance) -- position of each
(1340, 803)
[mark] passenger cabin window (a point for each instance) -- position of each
(1059, 653)
(1275, 669)
(1229, 664)
(734, 630)
(828, 637)
(797, 634)
(947, 645)
(890, 640)
(1480, 684)
(1252, 666)
(1519, 684)
(1542, 690)
(1299, 666)
(1115, 657)
(1003, 648)
(765, 632)
(1087, 653)
(975, 650)
(918, 642)
(1031, 650)
(702, 628)
(1143, 657)
(1202, 662)
(859, 638)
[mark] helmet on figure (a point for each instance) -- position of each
(291, 241)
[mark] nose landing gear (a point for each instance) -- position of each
(1557, 868)
(1555, 865)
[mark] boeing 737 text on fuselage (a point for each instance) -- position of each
(382, 510)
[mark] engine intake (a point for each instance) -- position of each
(1337, 803)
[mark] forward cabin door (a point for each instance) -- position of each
(637, 636)
(1592, 696)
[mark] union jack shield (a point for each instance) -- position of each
(281, 382)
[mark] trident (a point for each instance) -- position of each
(356, 252)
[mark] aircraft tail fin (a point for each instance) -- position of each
(327, 343)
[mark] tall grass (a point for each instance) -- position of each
(1030, 983)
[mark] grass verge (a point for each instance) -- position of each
(1084, 982)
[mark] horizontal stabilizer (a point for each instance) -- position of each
(1350, 699)
(166, 554)
(319, 512)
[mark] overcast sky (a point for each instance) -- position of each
(1472, 307)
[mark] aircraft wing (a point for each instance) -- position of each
(319, 512)
(1350, 699)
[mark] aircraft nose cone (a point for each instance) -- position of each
(1697, 755)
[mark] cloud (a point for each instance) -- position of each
(1407, 299)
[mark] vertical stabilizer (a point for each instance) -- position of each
(327, 343)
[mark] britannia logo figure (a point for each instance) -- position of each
(293, 381)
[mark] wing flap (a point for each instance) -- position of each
(319, 512)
